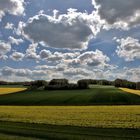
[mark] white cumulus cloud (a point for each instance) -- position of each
(31, 52)
(9, 26)
(13, 40)
(128, 48)
(119, 13)
(17, 56)
(4, 49)
(14, 7)
(70, 31)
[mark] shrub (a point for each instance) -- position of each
(83, 84)
(124, 83)
(104, 82)
(59, 82)
(39, 84)
(138, 86)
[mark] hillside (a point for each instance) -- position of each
(96, 95)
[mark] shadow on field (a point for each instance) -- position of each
(56, 132)
(97, 95)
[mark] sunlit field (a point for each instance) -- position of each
(87, 116)
(131, 91)
(7, 90)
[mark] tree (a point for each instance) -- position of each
(138, 86)
(39, 84)
(124, 83)
(59, 82)
(83, 84)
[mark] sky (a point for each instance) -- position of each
(73, 39)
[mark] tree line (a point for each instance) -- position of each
(81, 84)
(58, 84)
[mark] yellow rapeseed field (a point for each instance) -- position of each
(131, 91)
(87, 116)
(6, 90)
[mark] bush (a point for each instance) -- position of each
(138, 86)
(61, 87)
(59, 82)
(39, 84)
(104, 82)
(83, 84)
(124, 83)
(97, 82)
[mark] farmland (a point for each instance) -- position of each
(137, 92)
(70, 114)
(7, 90)
(71, 122)
(86, 116)
(96, 95)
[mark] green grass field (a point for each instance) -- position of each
(97, 95)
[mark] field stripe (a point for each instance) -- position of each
(6, 90)
(137, 92)
(57, 131)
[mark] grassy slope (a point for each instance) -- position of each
(97, 95)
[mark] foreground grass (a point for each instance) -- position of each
(7, 90)
(137, 92)
(57, 132)
(86, 116)
(97, 95)
(70, 122)
(15, 137)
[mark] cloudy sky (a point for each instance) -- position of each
(74, 39)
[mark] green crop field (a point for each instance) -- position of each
(97, 95)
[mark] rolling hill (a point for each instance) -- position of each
(96, 95)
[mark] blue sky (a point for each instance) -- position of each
(72, 39)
